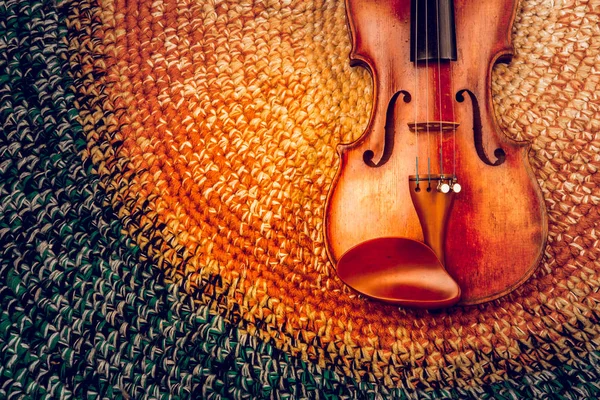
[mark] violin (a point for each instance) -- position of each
(433, 205)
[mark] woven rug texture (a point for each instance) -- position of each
(164, 167)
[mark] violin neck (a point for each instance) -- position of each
(433, 32)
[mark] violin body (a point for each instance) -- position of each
(497, 227)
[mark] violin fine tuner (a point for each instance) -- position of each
(444, 186)
(433, 112)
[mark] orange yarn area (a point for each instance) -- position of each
(229, 113)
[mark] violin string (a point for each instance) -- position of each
(437, 11)
(427, 97)
(452, 100)
(453, 125)
(416, 30)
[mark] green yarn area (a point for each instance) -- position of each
(83, 314)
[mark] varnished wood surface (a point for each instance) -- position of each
(498, 226)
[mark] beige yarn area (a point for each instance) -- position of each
(549, 95)
(233, 110)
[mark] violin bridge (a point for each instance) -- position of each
(435, 126)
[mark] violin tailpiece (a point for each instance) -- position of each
(433, 205)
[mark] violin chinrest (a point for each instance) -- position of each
(400, 271)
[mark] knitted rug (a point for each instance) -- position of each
(163, 174)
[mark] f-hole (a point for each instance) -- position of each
(388, 146)
(477, 131)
